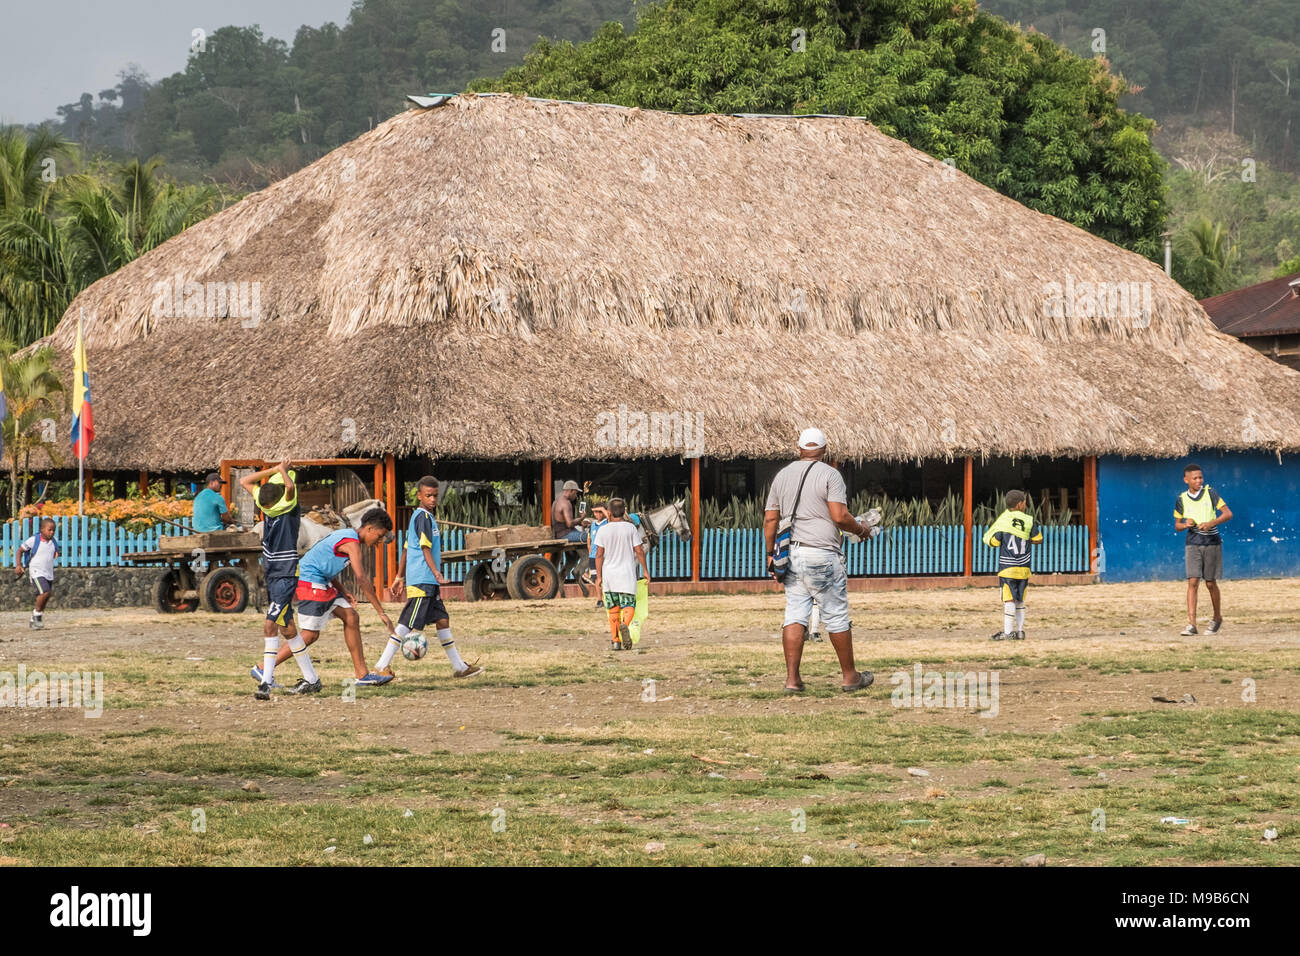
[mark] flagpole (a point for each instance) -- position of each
(81, 440)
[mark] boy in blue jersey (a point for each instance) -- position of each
(424, 582)
(321, 595)
(278, 500)
(599, 518)
(1014, 535)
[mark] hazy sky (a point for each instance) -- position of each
(52, 51)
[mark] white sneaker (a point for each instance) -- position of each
(1189, 630)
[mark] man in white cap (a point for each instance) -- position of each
(817, 569)
(568, 526)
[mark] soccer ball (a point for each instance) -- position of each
(414, 646)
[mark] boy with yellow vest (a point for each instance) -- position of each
(1014, 535)
(1196, 512)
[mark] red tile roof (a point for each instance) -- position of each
(1269, 308)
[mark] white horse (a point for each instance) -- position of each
(669, 517)
(310, 532)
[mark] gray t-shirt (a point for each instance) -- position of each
(813, 527)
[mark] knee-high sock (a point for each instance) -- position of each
(449, 645)
(393, 646)
(614, 618)
(628, 614)
(270, 647)
(1008, 616)
(303, 657)
(1020, 616)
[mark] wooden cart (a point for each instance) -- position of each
(518, 569)
(220, 571)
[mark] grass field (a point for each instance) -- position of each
(557, 755)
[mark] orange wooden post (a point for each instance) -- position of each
(144, 483)
(546, 490)
(90, 484)
(968, 516)
(1090, 506)
(225, 482)
(379, 554)
(391, 502)
(695, 519)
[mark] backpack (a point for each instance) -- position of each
(27, 555)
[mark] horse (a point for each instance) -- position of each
(669, 517)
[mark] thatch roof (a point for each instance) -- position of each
(481, 279)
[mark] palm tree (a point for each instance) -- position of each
(35, 396)
(1208, 259)
(87, 230)
(26, 174)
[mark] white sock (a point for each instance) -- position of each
(301, 655)
(449, 645)
(270, 646)
(1020, 617)
(1008, 616)
(393, 646)
(36, 615)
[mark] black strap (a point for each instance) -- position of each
(794, 512)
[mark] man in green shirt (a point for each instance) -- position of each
(1199, 511)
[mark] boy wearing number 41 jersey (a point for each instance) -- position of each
(424, 586)
(1014, 535)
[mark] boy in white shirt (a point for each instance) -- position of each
(618, 552)
(42, 548)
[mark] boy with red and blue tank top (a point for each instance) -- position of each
(320, 596)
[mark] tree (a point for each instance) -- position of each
(29, 166)
(84, 230)
(1012, 109)
(1206, 259)
(35, 396)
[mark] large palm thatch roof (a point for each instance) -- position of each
(481, 279)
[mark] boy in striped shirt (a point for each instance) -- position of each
(278, 500)
(1014, 535)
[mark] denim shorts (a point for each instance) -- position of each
(817, 575)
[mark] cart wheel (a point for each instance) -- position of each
(533, 578)
(225, 591)
(166, 595)
(480, 585)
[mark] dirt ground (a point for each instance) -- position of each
(1119, 644)
(688, 740)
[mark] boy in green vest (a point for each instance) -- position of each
(1197, 512)
(1014, 535)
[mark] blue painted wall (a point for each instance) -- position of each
(1135, 505)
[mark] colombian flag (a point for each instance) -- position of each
(83, 419)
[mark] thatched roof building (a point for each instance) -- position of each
(479, 280)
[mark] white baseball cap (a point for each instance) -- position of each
(812, 438)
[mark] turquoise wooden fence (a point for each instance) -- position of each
(1064, 550)
(725, 553)
(85, 542)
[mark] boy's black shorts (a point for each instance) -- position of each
(279, 604)
(42, 585)
(1013, 589)
(419, 611)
